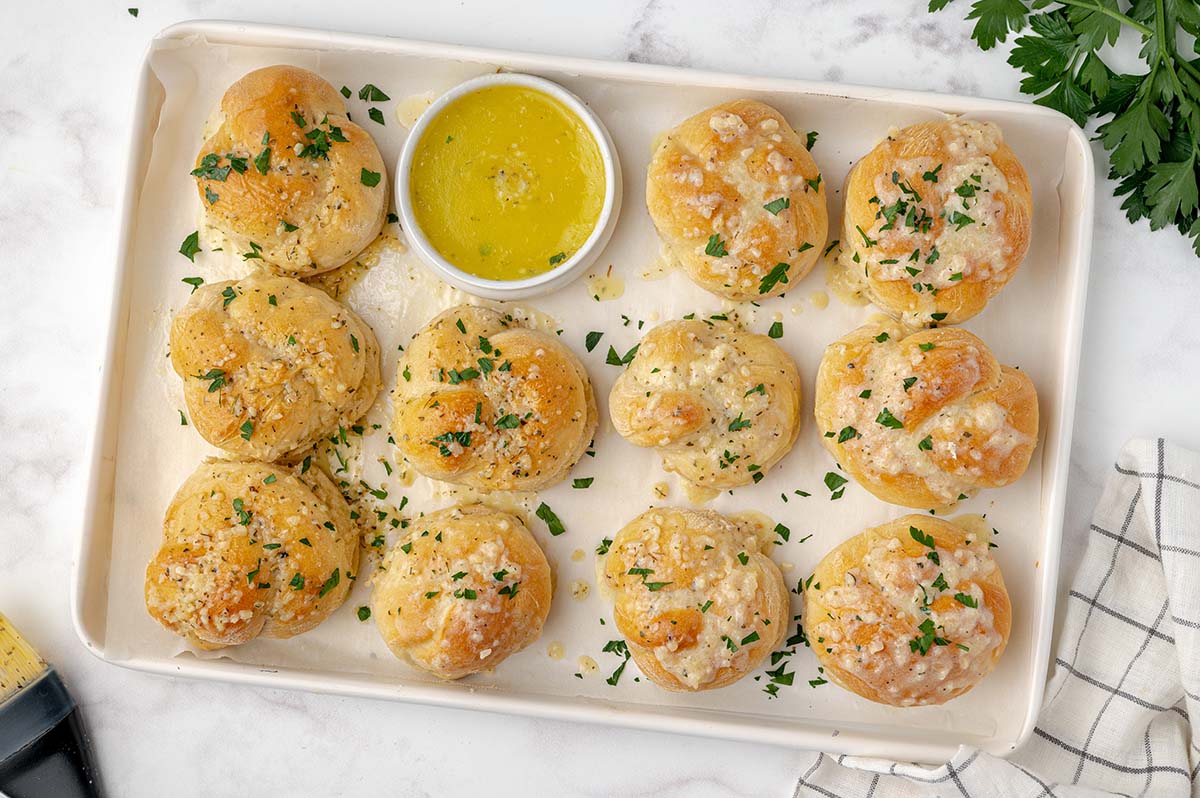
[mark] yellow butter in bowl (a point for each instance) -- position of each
(508, 186)
(507, 182)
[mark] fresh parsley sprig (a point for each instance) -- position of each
(1152, 120)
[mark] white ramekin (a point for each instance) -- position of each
(561, 274)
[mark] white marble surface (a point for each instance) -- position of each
(67, 73)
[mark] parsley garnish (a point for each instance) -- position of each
(370, 93)
(716, 247)
(442, 441)
(836, 484)
(774, 277)
(960, 220)
(613, 359)
(927, 639)
(330, 583)
(190, 246)
(368, 177)
(546, 514)
(966, 600)
(928, 542)
(886, 419)
(210, 169)
(775, 206)
(621, 649)
(215, 377)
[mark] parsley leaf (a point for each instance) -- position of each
(546, 514)
(777, 275)
(716, 247)
(190, 246)
(775, 206)
(371, 93)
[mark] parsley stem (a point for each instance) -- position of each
(1168, 56)
(1094, 5)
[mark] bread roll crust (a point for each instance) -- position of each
(251, 549)
(309, 212)
(486, 402)
(464, 589)
(713, 174)
(937, 220)
(868, 598)
(967, 422)
(703, 605)
(277, 355)
(719, 404)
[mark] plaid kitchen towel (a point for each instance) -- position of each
(1125, 680)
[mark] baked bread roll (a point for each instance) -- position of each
(249, 550)
(720, 405)
(698, 602)
(464, 589)
(486, 402)
(924, 419)
(738, 201)
(910, 613)
(937, 221)
(269, 365)
(286, 173)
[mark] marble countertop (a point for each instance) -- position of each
(68, 71)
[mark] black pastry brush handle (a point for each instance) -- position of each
(56, 762)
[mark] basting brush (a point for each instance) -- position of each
(44, 750)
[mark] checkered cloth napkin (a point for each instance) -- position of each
(1125, 680)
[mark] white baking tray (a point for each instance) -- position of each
(140, 453)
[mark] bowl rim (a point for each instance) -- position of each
(582, 258)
